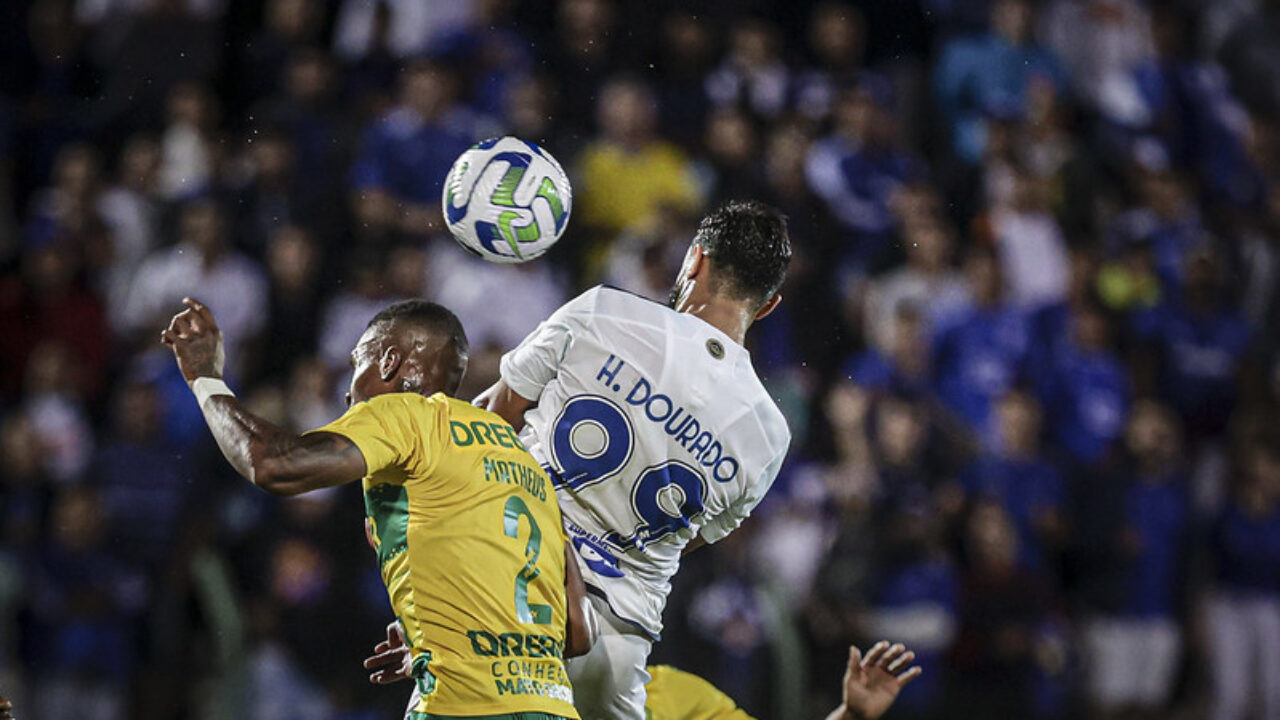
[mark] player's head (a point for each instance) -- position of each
(740, 252)
(411, 346)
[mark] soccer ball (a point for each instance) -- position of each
(507, 200)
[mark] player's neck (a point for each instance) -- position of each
(730, 318)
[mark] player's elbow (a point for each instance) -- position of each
(269, 477)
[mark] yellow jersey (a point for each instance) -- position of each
(677, 695)
(655, 175)
(471, 548)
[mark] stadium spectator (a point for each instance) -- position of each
(752, 76)
(1100, 43)
(188, 147)
(58, 411)
(902, 367)
(915, 581)
(810, 289)
(730, 615)
(655, 172)
(1200, 343)
(412, 27)
(529, 111)
(399, 172)
(1033, 252)
(1002, 607)
(28, 488)
(733, 155)
(287, 25)
(131, 209)
(1085, 389)
(687, 53)
(202, 264)
(47, 303)
(836, 37)
(1131, 536)
(991, 76)
(85, 604)
(1015, 476)
(293, 266)
(144, 490)
(981, 353)
(1244, 608)
(269, 198)
(1051, 324)
(584, 53)
(860, 167)
(927, 282)
(1164, 218)
(1251, 58)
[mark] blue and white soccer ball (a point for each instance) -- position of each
(507, 200)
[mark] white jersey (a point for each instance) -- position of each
(655, 429)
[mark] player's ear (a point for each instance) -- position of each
(693, 262)
(389, 363)
(768, 306)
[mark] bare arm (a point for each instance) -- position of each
(583, 626)
(692, 545)
(276, 461)
(505, 402)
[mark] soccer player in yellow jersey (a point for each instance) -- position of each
(871, 684)
(466, 525)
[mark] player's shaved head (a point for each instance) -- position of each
(411, 346)
(432, 317)
(749, 249)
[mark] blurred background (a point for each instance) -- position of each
(1028, 349)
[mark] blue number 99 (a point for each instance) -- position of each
(594, 440)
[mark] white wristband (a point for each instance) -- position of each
(207, 387)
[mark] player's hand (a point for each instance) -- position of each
(390, 661)
(871, 683)
(6, 709)
(196, 341)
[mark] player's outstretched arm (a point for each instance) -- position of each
(871, 683)
(508, 404)
(280, 463)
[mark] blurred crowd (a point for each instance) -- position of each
(1028, 347)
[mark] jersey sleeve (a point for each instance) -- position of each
(717, 527)
(390, 430)
(535, 361)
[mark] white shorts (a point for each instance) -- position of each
(1131, 661)
(608, 682)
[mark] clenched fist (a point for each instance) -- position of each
(196, 341)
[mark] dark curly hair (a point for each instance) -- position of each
(749, 249)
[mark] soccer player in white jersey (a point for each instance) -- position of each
(656, 431)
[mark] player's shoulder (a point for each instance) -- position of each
(607, 300)
(454, 410)
(672, 692)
